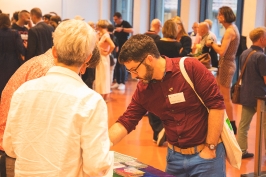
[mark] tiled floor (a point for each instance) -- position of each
(139, 143)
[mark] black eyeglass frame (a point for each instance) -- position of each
(134, 71)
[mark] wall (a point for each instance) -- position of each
(254, 16)
(10, 6)
(189, 13)
(141, 13)
(91, 10)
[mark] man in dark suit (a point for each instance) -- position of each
(39, 36)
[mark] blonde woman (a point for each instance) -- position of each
(102, 75)
(168, 45)
(227, 51)
(183, 37)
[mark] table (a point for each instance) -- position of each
(149, 170)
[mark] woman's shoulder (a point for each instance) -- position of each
(185, 38)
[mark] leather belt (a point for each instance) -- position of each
(190, 150)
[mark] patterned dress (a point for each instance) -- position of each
(227, 64)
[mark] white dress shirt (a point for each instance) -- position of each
(57, 126)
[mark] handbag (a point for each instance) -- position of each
(233, 151)
(235, 90)
(205, 59)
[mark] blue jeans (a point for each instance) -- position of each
(194, 166)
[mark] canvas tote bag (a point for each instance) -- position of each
(233, 151)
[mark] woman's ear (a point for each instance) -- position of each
(54, 53)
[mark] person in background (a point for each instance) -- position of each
(155, 29)
(89, 76)
(193, 134)
(12, 51)
(110, 29)
(168, 47)
(253, 84)
(55, 20)
(0, 11)
(14, 18)
(183, 37)
(39, 36)
(210, 27)
(195, 29)
(205, 35)
(79, 145)
(46, 18)
(227, 51)
(102, 75)
(121, 32)
(20, 25)
(92, 24)
(78, 17)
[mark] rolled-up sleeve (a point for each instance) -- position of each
(134, 113)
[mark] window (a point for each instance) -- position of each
(125, 7)
(209, 10)
(164, 9)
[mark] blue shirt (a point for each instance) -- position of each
(252, 81)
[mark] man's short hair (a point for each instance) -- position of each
(209, 22)
(118, 15)
(110, 28)
(228, 14)
(47, 16)
(170, 29)
(22, 12)
(74, 41)
(4, 21)
(55, 19)
(257, 33)
(137, 48)
(37, 12)
(15, 15)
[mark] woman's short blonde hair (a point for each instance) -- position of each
(170, 29)
(103, 24)
(257, 33)
(74, 41)
(178, 21)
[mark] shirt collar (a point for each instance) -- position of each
(254, 47)
(168, 65)
(64, 71)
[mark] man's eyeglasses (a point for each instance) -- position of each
(134, 71)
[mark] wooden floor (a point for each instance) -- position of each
(139, 142)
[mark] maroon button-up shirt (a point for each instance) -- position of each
(185, 123)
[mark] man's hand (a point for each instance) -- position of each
(118, 29)
(206, 153)
(209, 43)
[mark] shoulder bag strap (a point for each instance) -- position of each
(244, 66)
(187, 78)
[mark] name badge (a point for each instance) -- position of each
(176, 98)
